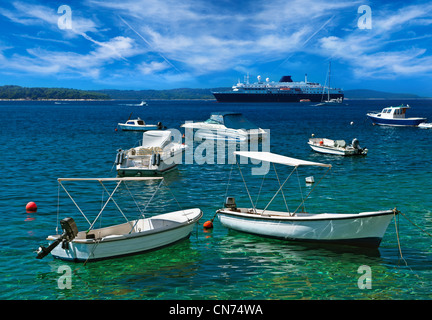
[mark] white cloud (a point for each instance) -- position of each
(177, 38)
(152, 67)
(91, 65)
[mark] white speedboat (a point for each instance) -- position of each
(157, 154)
(132, 237)
(425, 125)
(337, 147)
(230, 126)
(394, 116)
(139, 125)
(358, 229)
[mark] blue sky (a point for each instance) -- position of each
(153, 44)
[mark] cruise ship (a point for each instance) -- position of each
(285, 90)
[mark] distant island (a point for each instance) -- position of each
(362, 94)
(13, 92)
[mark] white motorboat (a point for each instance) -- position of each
(394, 116)
(337, 147)
(157, 154)
(358, 229)
(425, 125)
(133, 237)
(139, 125)
(229, 126)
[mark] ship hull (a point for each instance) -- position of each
(271, 97)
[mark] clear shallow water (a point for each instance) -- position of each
(41, 141)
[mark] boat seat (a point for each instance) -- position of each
(340, 143)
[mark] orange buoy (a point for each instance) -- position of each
(208, 224)
(31, 207)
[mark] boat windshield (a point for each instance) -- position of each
(212, 121)
(216, 119)
(237, 121)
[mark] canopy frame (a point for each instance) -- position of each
(279, 159)
(119, 181)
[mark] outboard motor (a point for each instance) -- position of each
(119, 157)
(355, 143)
(70, 231)
(230, 203)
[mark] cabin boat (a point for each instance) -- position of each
(337, 147)
(132, 237)
(364, 229)
(139, 125)
(157, 154)
(228, 126)
(394, 116)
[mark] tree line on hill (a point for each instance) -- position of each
(17, 92)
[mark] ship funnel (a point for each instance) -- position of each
(286, 79)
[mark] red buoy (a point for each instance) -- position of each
(208, 225)
(31, 207)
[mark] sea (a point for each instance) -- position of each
(42, 141)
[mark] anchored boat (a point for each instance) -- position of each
(157, 154)
(228, 126)
(132, 237)
(364, 229)
(337, 147)
(394, 116)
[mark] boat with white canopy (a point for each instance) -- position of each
(132, 237)
(364, 229)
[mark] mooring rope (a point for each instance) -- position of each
(395, 211)
(415, 224)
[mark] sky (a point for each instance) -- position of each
(154, 44)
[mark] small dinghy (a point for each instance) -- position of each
(338, 147)
(132, 237)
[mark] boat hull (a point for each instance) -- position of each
(405, 122)
(363, 229)
(270, 97)
(149, 239)
(133, 171)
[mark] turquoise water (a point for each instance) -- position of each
(42, 141)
